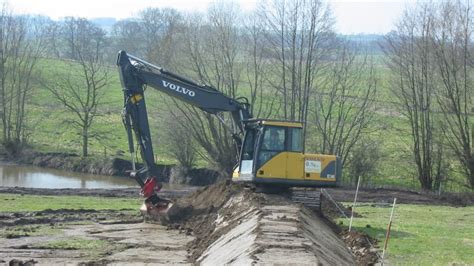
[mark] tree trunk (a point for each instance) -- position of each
(85, 141)
(471, 172)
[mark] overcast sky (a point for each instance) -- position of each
(353, 16)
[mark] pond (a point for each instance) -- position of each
(12, 175)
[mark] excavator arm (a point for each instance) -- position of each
(135, 75)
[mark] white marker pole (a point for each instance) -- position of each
(387, 236)
(353, 205)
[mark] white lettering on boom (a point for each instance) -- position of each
(178, 88)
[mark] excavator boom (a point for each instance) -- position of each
(135, 75)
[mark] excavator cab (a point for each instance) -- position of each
(273, 154)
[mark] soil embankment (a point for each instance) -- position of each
(234, 225)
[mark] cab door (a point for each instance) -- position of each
(247, 155)
(295, 157)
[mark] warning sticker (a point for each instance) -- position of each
(312, 166)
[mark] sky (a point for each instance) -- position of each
(352, 16)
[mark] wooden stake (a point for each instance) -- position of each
(387, 236)
(353, 205)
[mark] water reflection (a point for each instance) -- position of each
(35, 177)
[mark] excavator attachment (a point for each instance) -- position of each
(157, 211)
(154, 207)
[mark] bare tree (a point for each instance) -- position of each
(453, 49)
(210, 49)
(158, 30)
(180, 145)
(411, 60)
(299, 34)
(81, 90)
(344, 102)
(21, 45)
(263, 102)
(363, 160)
(127, 35)
(80, 37)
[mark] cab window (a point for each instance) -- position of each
(274, 139)
(273, 142)
(249, 145)
(296, 142)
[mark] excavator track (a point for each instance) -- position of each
(309, 197)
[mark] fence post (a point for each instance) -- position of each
(387, 236)
(353, 205)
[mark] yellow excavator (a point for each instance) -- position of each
(271, 151)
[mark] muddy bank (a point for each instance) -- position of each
(75, 163)
(109, 166)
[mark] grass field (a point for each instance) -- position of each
(25, 203)
(421, 234)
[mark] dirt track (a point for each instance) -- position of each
(127, 240)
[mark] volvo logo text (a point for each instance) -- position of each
(178, 88)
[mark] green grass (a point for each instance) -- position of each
(75, 243)
(421, 234)
(19, 203)
(90, 248)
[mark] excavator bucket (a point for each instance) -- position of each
(154, 207)
(156, 212)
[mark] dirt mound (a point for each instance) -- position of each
(197, 213)
(233, 224)
(332, 209)
(361, 246)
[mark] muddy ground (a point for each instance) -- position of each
(96, 192)
(223, 223)
(88, 238)
(384, 195)
(381, 195)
